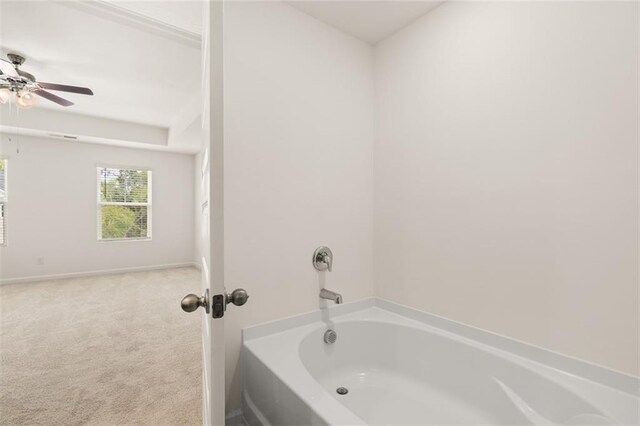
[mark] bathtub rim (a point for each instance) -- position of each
(599, 374)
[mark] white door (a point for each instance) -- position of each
(213, 301)
(213, 254)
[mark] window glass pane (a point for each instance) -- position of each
(123, 186)
(124, 222)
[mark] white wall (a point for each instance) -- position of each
(52, 210)
(506, 165)
(298, 165)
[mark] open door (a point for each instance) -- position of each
(213, 299)
(213, 376)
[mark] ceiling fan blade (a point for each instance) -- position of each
(26, 75)
(65, 88)
(7, 68)
(53, 98)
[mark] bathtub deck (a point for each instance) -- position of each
(405, 367)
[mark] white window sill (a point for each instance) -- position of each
(113, 240)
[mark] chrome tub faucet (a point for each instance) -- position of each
(331, 295)
(323, 259)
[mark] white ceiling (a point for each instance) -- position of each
(183, 14)
(141, 69)
(370, 21)
(142, 58)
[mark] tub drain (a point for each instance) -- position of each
(342, 391)
(330, 337)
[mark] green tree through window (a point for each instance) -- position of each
(124, 203)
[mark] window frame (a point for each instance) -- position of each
(101, 203)
(4, 202)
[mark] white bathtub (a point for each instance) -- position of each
(405, 367)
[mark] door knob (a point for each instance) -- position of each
(191, 302)
(238, 297)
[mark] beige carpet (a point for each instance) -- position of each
(105, 350)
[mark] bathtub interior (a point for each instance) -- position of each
(403, 375)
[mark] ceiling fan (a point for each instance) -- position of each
(25, 87)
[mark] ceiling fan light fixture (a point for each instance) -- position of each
(27, 89)
(5, 95)
(25, 99)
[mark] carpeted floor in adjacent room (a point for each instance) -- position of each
(103, 350)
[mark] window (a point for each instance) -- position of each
(3, 202)
(124, 204)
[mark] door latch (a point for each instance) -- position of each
(218, 305)
(219, 302)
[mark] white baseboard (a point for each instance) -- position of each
(36, 278)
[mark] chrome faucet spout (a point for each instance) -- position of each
(331, 295)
